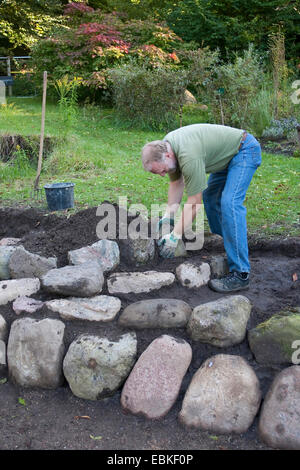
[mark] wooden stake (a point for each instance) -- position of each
(36, 184)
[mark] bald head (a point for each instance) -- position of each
(153, 152)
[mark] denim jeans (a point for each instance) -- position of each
(223, 201)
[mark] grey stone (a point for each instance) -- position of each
(26, 305)
(223, 396)
(222, 322)
(11, 289)
(138, 282)
(154, 383)
(101, 308)
(106, 252)
(2, 353)
(137, 251)
(279, 423)
(10, 241)
(35, 352)
(96, 367)
(23, 264)
(3, 328)
(5, 254)
(156, 313)
(191, 275)
(218, 266)
(272, 341)
(84, 280)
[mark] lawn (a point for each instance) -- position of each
(102, 158)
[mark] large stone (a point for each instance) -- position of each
(96, 367)
(222, 322)
(105, 252)
(26, 305)
(154, 383)
(218, 266)
(279, 423)
(137, 251)
(192, 275)
(2, 354)
(5, 254)
(101, 308)
(84, 280)
(223, 396)
(156, 313)
(3, 328)
(10, 241)
(272, 341)
(124, 283)
(10, 290)
(23, 264)
(35, 352)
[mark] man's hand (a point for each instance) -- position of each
(168, 244)
(165, 222)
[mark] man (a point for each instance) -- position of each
(231, 156)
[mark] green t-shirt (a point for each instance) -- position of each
(201, 149)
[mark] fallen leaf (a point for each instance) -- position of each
(96, 438)
(21, 401)
(295, 277)
(82, 417)
(3, 381)
(215, 438)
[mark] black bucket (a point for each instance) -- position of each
(60, 196)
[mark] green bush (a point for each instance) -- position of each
(234, 88)
(148, 98)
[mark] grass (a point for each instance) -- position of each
(103, 160)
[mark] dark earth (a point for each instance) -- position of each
(33, 419)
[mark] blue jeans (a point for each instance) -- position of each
(223, 201)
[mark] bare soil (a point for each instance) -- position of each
(58, 420)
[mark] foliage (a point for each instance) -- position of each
(232, 25)
(281, 128)
(234, 87)
(148, 98)
(67, 91)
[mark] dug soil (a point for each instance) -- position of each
(58, 420)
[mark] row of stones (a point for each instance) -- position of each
(221, 323)
(223, 396)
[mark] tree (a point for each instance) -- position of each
(231, 25)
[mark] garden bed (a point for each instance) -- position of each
(56, 419)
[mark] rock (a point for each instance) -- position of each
(23, 264)
(189, 97)
(271, 341)
(191, 275)
(10, 241)
(124, 283)
(35, 352)
(137, 251)
(218, 266)
(279, 423)
(156, 313)
(99, 308)
(96, 367)
(3, 328)
(222, 322)
(10, 290)
(5, 254)
(223, 396)
(26, 305)
(2, 354)
(154, 383)
(84, 280)
(106, 252)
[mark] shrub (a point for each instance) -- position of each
(234, 87)
(281, 128)
(148, 98)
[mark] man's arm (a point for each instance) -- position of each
(175, 194)
(190, 209)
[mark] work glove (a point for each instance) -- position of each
(164, 223)
(168, 244)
